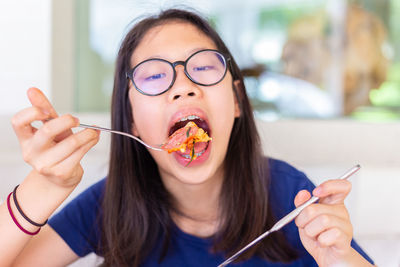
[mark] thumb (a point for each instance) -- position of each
(301, 197)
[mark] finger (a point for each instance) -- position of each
(74, 159)
(315, 210)
(21, 122)
(333, 191)
(65, 148)
(38, 99)
(334, 237)
(324, 222)
(47, 133)
(301, 197)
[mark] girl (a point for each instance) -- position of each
(153, 208)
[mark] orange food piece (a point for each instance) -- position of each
(185, 138)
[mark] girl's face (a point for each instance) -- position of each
(153, 116)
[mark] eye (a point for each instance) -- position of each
(155, 77)
(203, 68)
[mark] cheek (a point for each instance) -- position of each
(147, 120)
(224, 110)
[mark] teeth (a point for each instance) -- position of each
(197, 154)
(190, 117)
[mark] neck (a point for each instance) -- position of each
(197, 205)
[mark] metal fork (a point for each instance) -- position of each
(121, 133)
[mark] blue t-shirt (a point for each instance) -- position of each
(79, 226)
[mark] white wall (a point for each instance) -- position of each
(25, 50)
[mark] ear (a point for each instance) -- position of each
(237, 84)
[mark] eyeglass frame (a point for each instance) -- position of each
(129, 74)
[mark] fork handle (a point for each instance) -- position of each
(97, 128)
(118, 132)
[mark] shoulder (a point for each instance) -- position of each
(285, 181)
(279, 169)
(90, 199)
(87, 203)
(282, 173)
(94, 193)
(78, 222)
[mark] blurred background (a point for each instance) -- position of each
(323, 77)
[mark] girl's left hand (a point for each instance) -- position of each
(325, 228)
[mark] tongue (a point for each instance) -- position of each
(198, 147)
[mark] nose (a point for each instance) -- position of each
(183, 87)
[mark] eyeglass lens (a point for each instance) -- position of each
(156, 76)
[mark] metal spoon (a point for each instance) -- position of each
(121, 133)
(287, 219)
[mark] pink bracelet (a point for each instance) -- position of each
(15, 220)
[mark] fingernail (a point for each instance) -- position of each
(76, 120)
(317, 191)
(46, 112)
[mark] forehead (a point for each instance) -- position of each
(171, 41)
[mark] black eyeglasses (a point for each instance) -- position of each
(156, 76)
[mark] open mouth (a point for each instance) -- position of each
(194, 118)
(199, 149)
(188, 138)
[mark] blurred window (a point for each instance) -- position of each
(300, 58)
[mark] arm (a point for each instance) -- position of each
(325, 228)
(46, 249)
(38, 201)
(54, 152)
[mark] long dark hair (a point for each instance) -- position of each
(136, 205)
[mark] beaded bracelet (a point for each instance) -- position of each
(15, 220)
(22, 213)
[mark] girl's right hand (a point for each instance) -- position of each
(53, 150)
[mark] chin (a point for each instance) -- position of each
(196, 176)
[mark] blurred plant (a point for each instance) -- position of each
(308, 53)
(388, 95)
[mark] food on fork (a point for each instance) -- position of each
(185, 138)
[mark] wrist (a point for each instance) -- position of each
(351, 258)
(64, 182)
(355, 259)
(38, 198)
